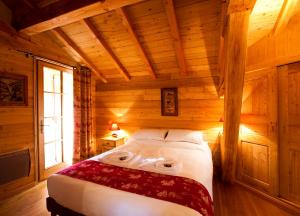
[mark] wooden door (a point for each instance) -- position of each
(51, 115)
(289, 131)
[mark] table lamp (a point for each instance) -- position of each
(114, 127)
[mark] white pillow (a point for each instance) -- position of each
(183, 135)
(150, 134)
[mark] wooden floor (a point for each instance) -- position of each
(31, 202)
(228, 201)
(235, 200)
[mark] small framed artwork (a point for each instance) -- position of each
(169, 102)
(13, 90)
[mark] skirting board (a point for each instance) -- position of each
(284, 204)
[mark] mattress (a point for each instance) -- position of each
(193, 161)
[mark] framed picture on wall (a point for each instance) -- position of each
(13, 90)
(169, 102)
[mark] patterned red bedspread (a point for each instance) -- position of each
(176, 189)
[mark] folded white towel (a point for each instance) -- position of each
(118, 157)
(149, 161)
(161, 165)
(167, 165)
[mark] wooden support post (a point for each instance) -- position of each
(236, 48)
(222, 48)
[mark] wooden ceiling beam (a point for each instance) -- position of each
(126, 22)
(96, 34)
(7, 30)
(18, 42)
(170, 10)
(163, 81)
(284, 16)
(64, 12)
(29, 4)
(61, 35)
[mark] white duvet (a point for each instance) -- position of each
(190, 160)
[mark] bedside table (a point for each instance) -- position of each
(108, 143)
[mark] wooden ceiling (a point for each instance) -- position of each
(198, 24)
(263, 19)
(270, 17)
(142, 39)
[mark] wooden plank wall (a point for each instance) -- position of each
(258, 149)
(17, 122)
(276, 50)
(258, 135)
(199, 108)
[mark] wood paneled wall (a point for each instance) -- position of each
(258, 149)
(258, 132)
(140, 107)
(17, 122)
(276, 50)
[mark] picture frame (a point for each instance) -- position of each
(13, 89)
(169, 102)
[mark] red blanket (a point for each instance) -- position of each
(176, 189)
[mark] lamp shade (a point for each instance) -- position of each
(114, 127)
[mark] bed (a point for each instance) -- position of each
(145, 153)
